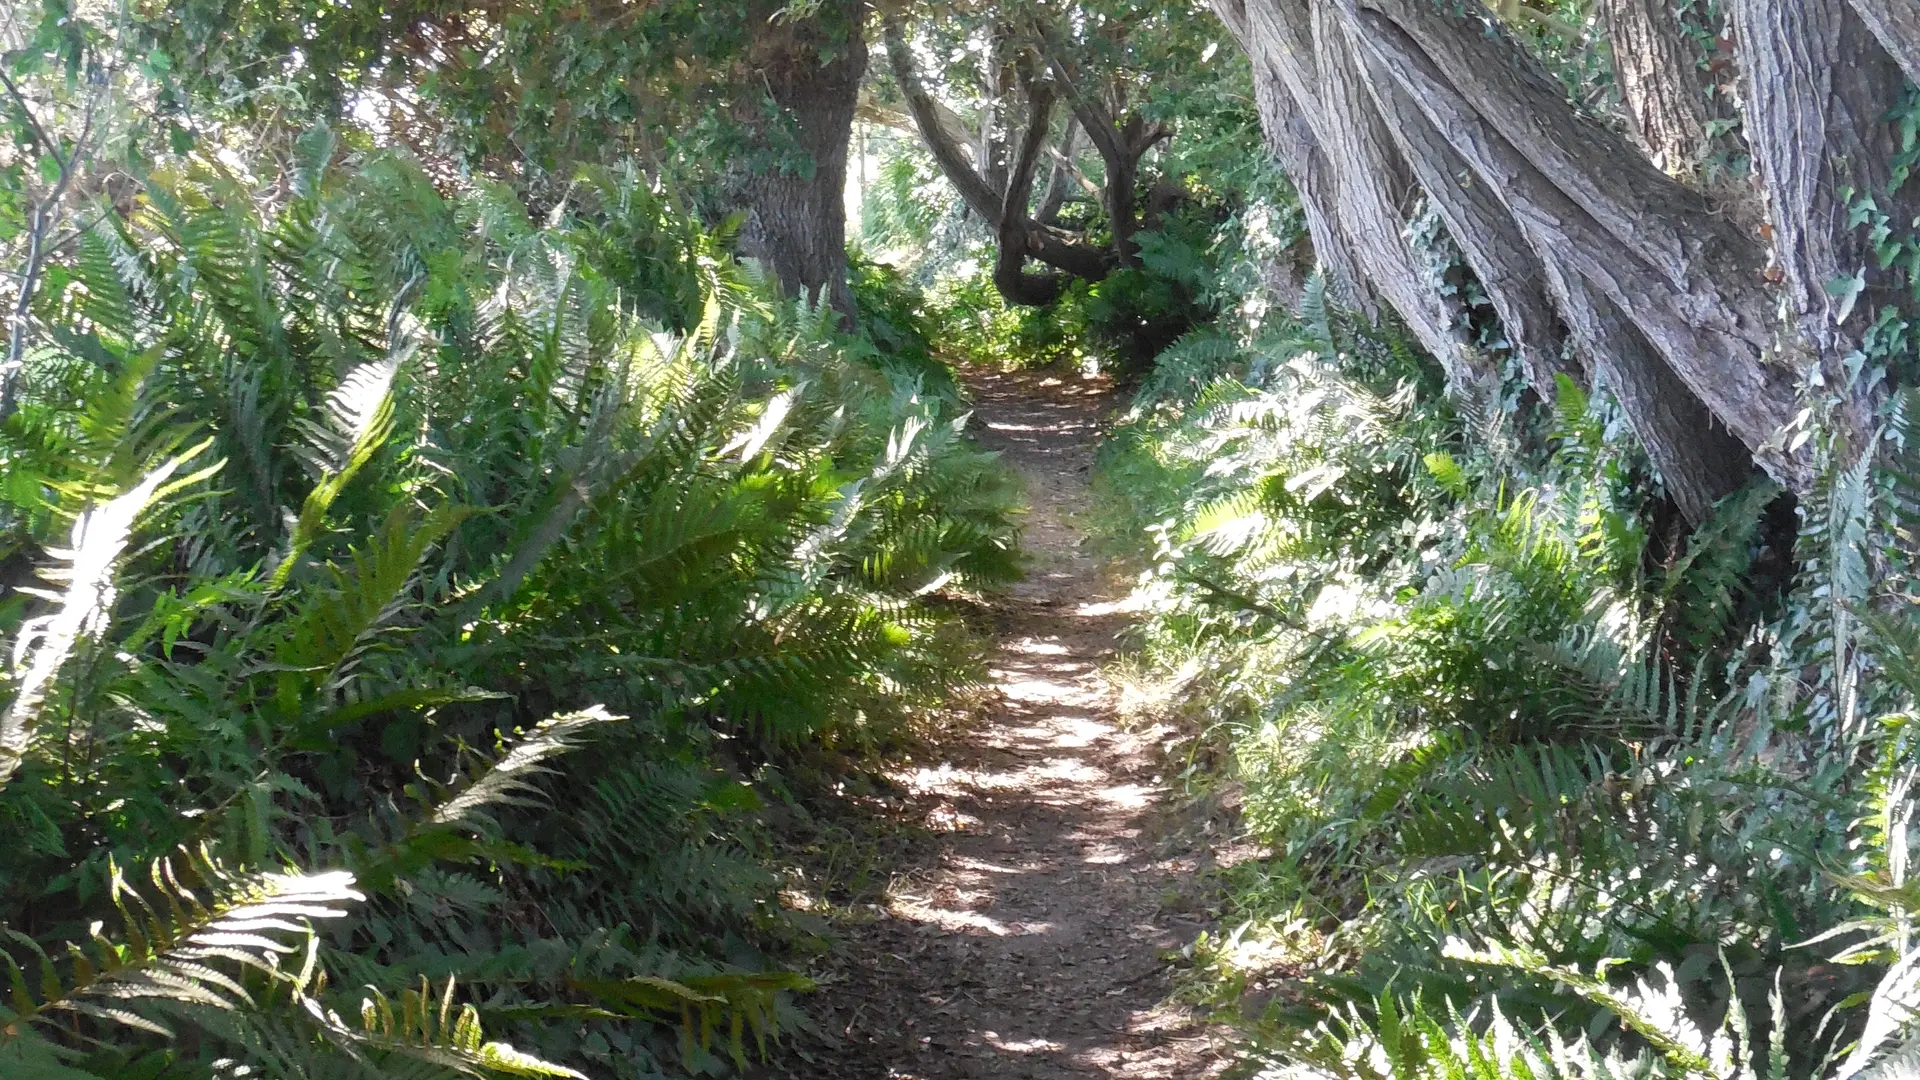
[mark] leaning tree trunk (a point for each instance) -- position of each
(1539, 302)
(1698, 458)
(796, 201)
(1371, 188)
(1657, 68)
(1692, 284)
(1669, 298)
(1507, 269)
(1293, 145)
(1291, 141)
(1818, 90)
(1375, 191)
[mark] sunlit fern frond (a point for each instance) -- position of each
(337, 622)
(510, 780)
(87, 568)
(359, 418)
(209, 933)
(1410, 1041)
(1316, 316)
(432, 1030)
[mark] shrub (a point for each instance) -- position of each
(362, 506)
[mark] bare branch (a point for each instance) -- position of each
(45, 213)
(39, 133)
(947, 151)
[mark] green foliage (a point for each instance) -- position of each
(343, 484)
(1541, 790)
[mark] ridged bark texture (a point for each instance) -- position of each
(1376, 193)
(796, 209)
(1486, 233)
(1897, 24)
(1540, 301)
(1818, 89)
(1698, 326)
(1286, 92)
(1657, 68)
(1691, 283)
(1698, 458)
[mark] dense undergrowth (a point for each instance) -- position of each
(1542, 784)
(460, 584)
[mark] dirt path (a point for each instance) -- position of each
(1031, 940)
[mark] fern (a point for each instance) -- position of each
(99, 539)
(509, 782)
(359, 419)
(196, 949)
(724, 524)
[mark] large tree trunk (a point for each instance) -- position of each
(1671, 300)
(1698, 458)
(1486, 233)
(796, 205)
(1693, 284)
(1818, 89)
(1319, 114)
(1897, 24)
(1657, 68)
(1376, 191)
(1291, 142)
(1539, 301)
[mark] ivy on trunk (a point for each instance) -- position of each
(1702, 327)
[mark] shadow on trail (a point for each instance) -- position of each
(1032, 943)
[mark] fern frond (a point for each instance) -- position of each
(509, 782)
(195, 948)
(429, 1028)
(91, 561)
(359, 419)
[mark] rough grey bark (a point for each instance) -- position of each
(1060, 176)
(1697, 456)
(1291, 142)
(1539, 302)
(1818, 89)
(796, 220)
(1897, 24)
(1356, 190)
(1657, 68)
(1375, 191)
(1691, 283)
(1489, 238)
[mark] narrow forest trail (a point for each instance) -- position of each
(1030, 940)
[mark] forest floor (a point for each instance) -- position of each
(1028, 934)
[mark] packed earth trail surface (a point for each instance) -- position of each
(1031, 938)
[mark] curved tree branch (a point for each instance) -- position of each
(1004, 206)
(946, 150)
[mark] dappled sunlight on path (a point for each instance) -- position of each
(1034, 942)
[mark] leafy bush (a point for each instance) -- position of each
(361, 505)
(1540, 793)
